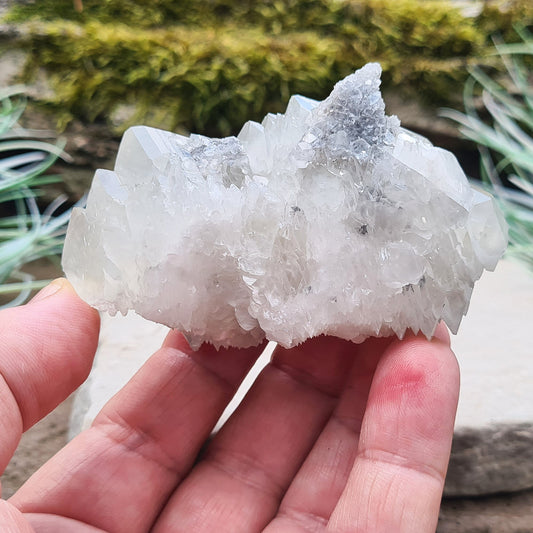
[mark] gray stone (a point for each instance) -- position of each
(493, 444)
(10, 62)
(489, 460)
(504, 513)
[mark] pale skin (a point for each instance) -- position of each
(333, 436)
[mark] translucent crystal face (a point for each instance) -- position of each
(329, 219)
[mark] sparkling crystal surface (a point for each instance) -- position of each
(328, 219)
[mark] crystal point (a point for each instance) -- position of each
(329, 219)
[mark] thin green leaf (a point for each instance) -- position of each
(12, 288)
(12, 90)
(21, 159)
(57, 150)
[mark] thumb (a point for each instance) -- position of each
(46, 352)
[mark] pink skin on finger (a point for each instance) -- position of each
(46, 352)
(398, 475)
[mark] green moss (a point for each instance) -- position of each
(209, 66)
(205, 80)
(405, 22)
(502, 17)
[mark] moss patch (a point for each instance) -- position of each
(209, 66)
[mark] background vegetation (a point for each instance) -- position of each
(26, 233)
(210, 66)
(502, 127)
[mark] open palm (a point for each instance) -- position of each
(333, 436)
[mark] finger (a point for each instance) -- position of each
(398, 475)
(46, 352)
(248, 466)
(12, 520)
(315, 491)
(45, 523)
(316, 488)
(143, 442)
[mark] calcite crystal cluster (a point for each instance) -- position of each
(328, 219)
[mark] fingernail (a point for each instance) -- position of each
(49, 290)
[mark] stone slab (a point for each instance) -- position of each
(493, 444)
(502, 513)
(125, 344)
(495, 350)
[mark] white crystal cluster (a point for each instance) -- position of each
(329, 219)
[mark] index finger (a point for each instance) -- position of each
(143, 442)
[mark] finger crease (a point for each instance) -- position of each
(306, 520)
(247, 471)
(137, 442)
(377, 455)
(308, 380)
(15, 399)
(351, 423)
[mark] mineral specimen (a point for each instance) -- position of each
(329, 219)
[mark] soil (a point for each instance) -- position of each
(37, 445)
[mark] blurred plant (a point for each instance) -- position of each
(26, 234)
(503, 129)
(207, 67)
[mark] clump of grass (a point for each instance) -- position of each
(26, 233)
(502, 127)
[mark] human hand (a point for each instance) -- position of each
(333, 436)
